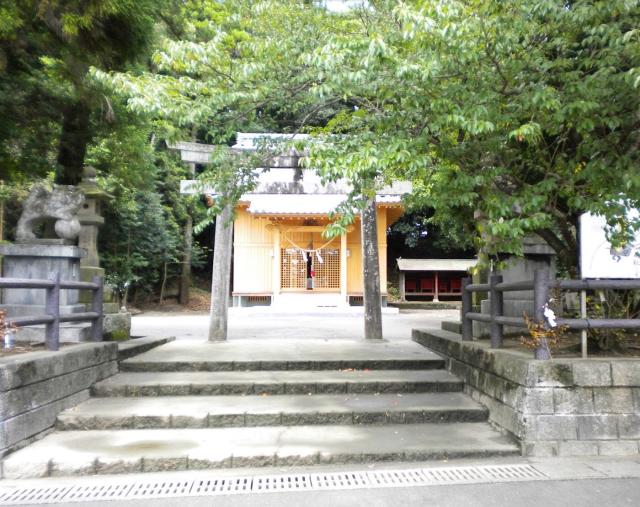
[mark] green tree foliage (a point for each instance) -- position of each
(415, 235)
(236, 67)
(50, 108)
(139, 240)
(144, 215)
(56, 119)
(509, 117)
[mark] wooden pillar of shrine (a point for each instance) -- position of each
(277, 262)
(343, 269)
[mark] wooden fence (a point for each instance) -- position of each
(52, 318)
(541, 285)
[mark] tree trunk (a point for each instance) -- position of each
(371, 272)
(1, 211)
(185, 274)
(221, 275)
(567, 257)
(74, 138)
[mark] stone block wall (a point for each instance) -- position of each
(36, 387)
(561, 407)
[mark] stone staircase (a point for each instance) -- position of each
(177, 410)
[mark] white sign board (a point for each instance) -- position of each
(597, 257)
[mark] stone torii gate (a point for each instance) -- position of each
(196, 153)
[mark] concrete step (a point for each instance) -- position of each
(110, 452)
(137, 364)
(285, 354)
(453, 326)
(285, 410)
(277, 382)
(131, 348)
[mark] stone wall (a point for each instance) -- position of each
(566, 407)
(35, 387)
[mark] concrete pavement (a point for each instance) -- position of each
(245, 323)
(303, 353)
(559, 482)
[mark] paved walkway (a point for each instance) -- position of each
(246, 323)
(275, 349)
(580, 482)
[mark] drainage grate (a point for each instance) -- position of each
(453, 475)
(98, 492)
(340, 480)
(226, 486)
(160, 489)
(268, 483)
(392, 478)
(35, 495)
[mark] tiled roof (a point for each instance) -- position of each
(301, 204)
(436, 264)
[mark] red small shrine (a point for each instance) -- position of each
(433, 278)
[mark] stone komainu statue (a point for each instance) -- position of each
(61, 203)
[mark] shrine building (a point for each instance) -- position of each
(280, 256)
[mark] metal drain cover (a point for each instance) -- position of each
(141, 488)
(269, 483)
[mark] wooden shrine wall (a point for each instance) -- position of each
(252, 254)
(354, 260)
(254, 249)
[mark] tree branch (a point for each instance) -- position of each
(566, 255)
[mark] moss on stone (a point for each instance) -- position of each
(117, 335)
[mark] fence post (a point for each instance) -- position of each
(496, 310)
(52, 308)
(583, 315)
(467, 324)
(97, 306)
(540, 299)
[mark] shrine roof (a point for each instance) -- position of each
(285, 182)
(436, 264)
(302, 204)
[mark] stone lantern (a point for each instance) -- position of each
(116, 322)
(90, 221)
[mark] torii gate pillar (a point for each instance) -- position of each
(221, 271)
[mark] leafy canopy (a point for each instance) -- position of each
(509, 117)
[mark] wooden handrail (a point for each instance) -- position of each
(541, 286)
(515, 286)
(576, 285)
(25, 283)
(478, 287)
(52, 317)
